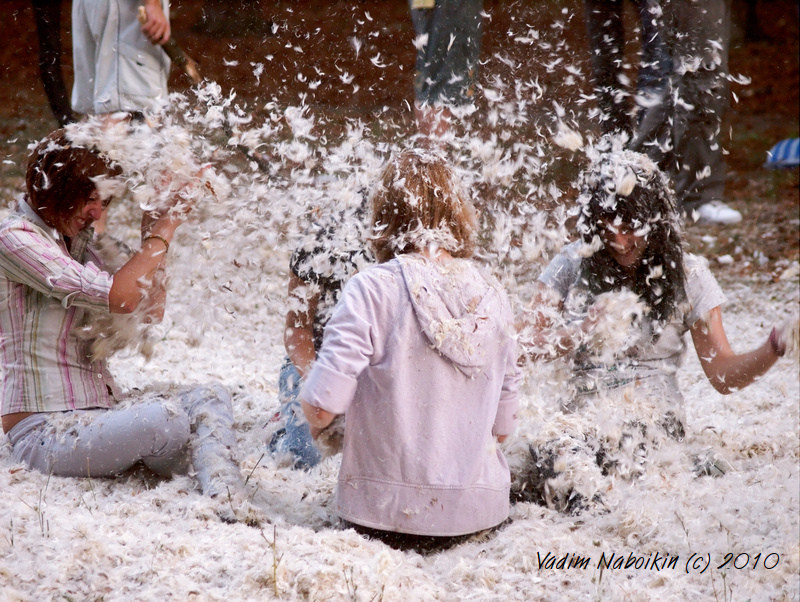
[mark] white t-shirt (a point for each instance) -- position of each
(648, 363)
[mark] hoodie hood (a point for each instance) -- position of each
(457, 307)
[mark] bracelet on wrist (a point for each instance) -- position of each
(157, 237)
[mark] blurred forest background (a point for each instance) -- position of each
(303, 52)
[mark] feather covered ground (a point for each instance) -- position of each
(321, 93)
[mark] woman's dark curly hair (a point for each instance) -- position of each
(625, 187)
(62, 175)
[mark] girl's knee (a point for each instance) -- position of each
(170, 432)
(169, 428)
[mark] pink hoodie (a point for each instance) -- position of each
(421, 356)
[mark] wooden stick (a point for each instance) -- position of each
(176, 54)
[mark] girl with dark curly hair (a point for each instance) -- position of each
(617, 303)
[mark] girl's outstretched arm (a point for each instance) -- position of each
(728, 371)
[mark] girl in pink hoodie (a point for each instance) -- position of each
(420, 354)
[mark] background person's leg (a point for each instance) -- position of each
(653, 84)
(700, 44)
(48, 30)
(606, 45)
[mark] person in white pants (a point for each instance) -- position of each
(118, 62)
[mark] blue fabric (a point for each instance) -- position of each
(784, 154)
(295, 436)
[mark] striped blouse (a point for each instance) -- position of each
(44, 296)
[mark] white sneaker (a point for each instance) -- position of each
(716, 212)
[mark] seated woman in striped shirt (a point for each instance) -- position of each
(61, 409)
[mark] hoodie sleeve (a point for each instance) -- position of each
(347, 347)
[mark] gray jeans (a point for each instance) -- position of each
(191, 428)
(700, 45)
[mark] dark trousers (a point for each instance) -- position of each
(48, 29)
